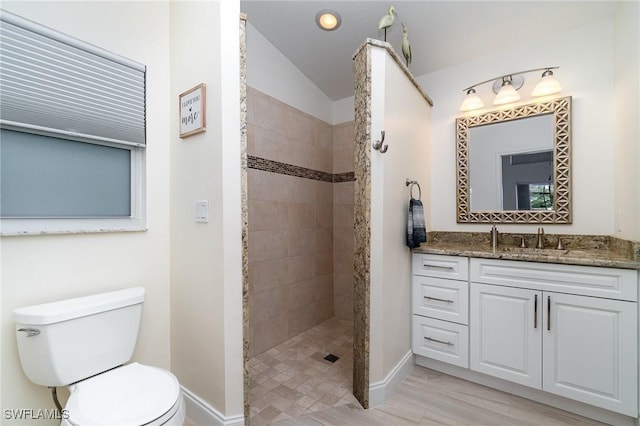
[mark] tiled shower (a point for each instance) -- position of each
(300, 189)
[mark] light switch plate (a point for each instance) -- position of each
(202, 211)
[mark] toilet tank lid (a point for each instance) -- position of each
(63, 310)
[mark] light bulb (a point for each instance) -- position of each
(547, 86)
(472, 101)
(328, 20)
(507, 93)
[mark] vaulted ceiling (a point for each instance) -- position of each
(442, 33)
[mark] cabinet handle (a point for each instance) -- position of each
(439, 341)
(535, 311)
(439, 300)
(446, 268)
(548, 313)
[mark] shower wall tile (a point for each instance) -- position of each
(343, 262)
(343, 193)
(264, 143)
(343, 215)
(305, 317)
(324, 262)
(301, 215)
(267, 113)
(301, 268)
(300, 293)
(269, 333)
(343, 239)
(268, 274)
(343, 284)
(325, 135)
(343, 137)
(301, 190)
(300, 127)
(267, 215)
(269, 303)
(290, 223)
(343, 246)
(324, 240)
(267, 186)
(323, 192)
(343, 306)
(324, 287)
(303, 241)
(343, 160)
(265, 245)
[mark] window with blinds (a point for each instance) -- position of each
(73, 133)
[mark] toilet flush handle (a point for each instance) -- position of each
(30, 331)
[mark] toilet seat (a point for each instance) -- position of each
(131, 395)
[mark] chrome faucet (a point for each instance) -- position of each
(540, 244)
(494, 237)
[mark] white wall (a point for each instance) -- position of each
(626, 122)
(399, 109)
(270, 72)
(585, 57)
(206, 290)
(38, 269)
(343, 110)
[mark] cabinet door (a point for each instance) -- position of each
(590, 351)
(505, 333)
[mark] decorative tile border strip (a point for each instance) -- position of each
(297, 171)
(344, 177)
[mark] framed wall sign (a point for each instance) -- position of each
(193, 111)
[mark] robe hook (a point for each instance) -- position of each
(377, 145)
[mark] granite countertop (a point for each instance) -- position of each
(587, 250)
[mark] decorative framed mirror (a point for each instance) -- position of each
(514, 165)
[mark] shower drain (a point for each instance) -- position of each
(332, 358)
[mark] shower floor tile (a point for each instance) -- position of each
(293, 378)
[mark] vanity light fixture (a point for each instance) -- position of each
(328, 20)
(506, 88)
(472, 101)
(507, 93)
(547, 86)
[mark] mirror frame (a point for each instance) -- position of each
(561, 110)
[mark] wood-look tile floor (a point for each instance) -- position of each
(292, 379)
(427, 397)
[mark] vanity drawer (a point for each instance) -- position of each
(610, 283)
(445, 341)
(440, 298)
(439, 266)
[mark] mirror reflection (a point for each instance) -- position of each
(511, 165)
(514, 165)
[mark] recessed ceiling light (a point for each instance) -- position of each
(328, 20)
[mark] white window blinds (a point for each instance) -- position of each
(53, 83)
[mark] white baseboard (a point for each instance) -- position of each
(203, 414)
(556, 401)
(380, 391)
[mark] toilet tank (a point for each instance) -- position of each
(67, 341)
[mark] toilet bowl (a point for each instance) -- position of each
(85, 343)
(134, 394)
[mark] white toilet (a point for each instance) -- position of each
(83, 343)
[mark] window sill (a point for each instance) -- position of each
(27, 227)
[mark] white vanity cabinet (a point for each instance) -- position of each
(440, 308)
(568, 330)
(506, 333)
